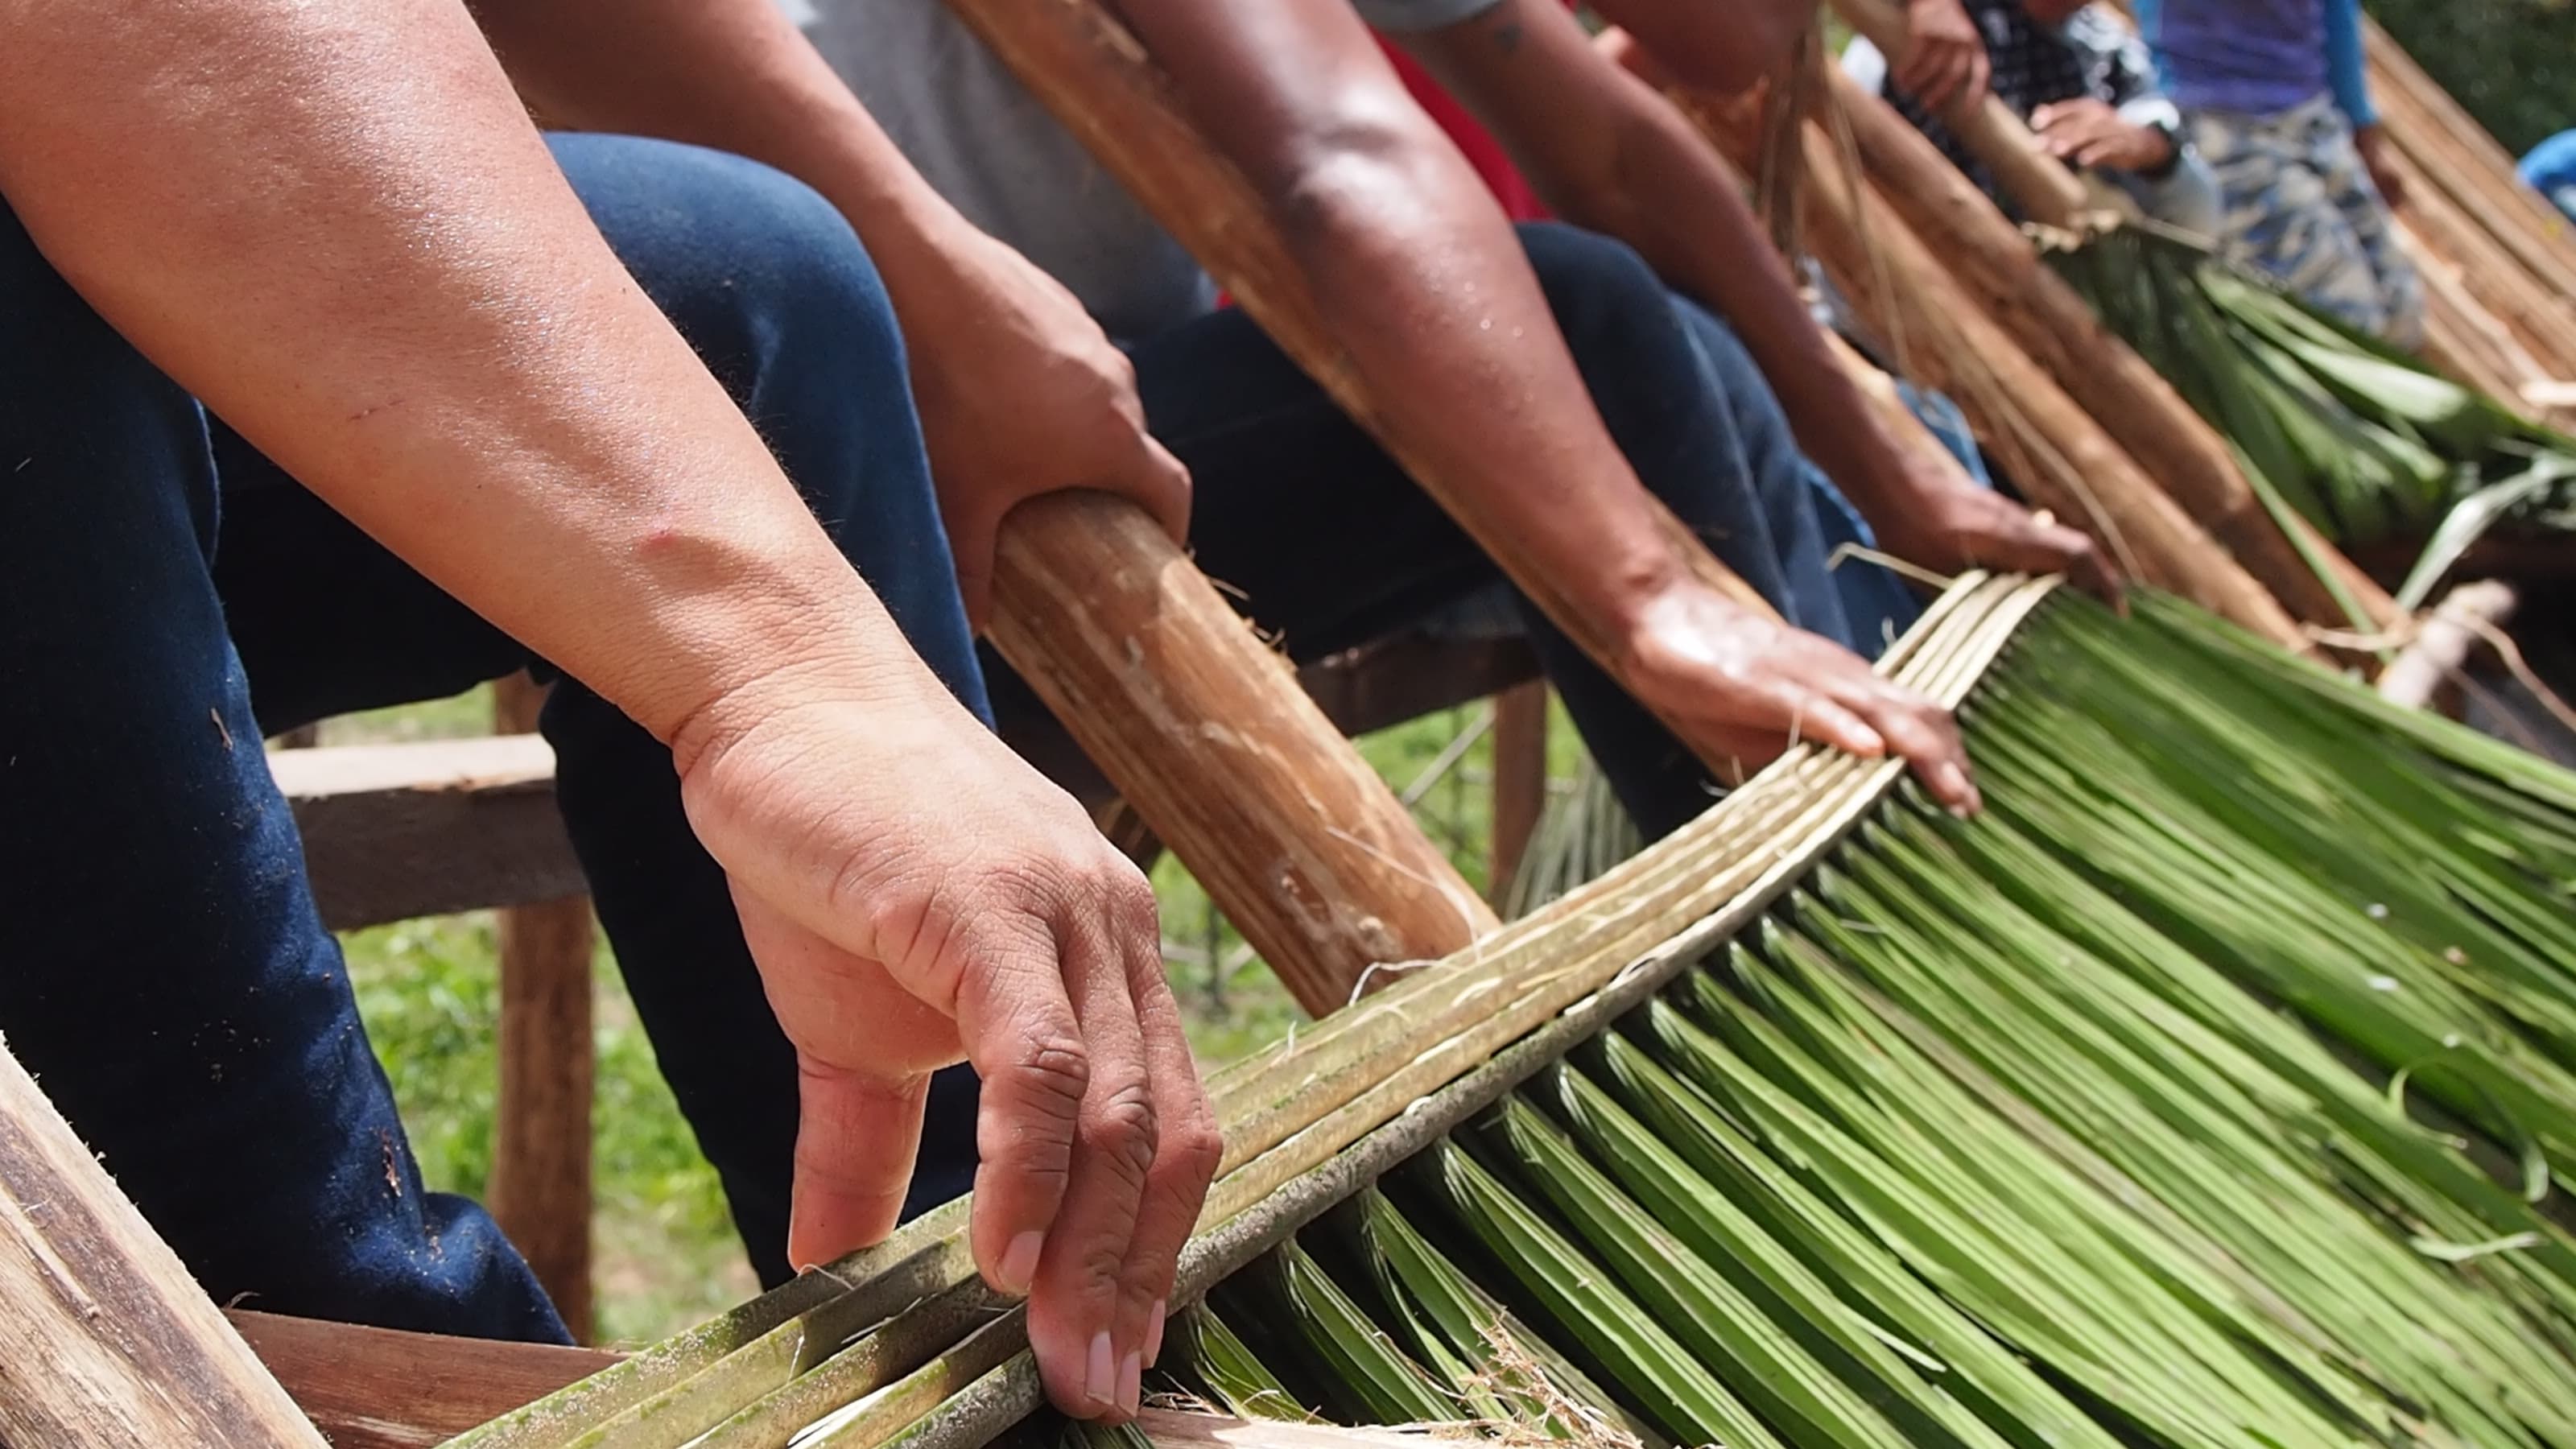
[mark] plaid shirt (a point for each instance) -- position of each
(2093, 54)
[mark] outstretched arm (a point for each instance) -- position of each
(1019, 391)
(1425, 286)
(1610, 154)
(332, 221)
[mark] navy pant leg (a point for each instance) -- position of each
(1333, 546)
(770, 286)
(165, 974)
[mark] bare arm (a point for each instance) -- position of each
(1019, 391)
(1610, 154)
(331, 220)
(1425, 286)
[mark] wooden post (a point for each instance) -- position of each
(2075, 469)
(540, 1187)
(1203, 729)
(104, 1337)
(2044, 190)
(1990, 258)
(1096, 78)
(1520, 780)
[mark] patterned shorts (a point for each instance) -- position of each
(2301, 206)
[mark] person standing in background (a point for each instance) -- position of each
(2274, 96)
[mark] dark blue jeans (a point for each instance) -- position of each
(166, 597)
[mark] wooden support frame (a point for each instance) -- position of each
(104, 1337)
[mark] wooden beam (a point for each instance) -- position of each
(104, 1337)
(393, 832)
(1993, 262)
(2059, 455)
(1520, 781)
(377, 1388)
(1203, 729)
(540, 1189)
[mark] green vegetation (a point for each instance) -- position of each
(2207, 1091)
(2511, 63)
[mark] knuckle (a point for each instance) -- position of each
(1121, 1128)
(1050, 1076)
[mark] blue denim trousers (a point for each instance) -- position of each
(167, 597)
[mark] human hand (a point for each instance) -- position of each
(1944, 65)
(2380, 161)
(913, 894)
(1951, 527)
(1020, 393)
(2088, 132)
(1740, 687)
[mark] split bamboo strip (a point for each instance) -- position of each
(104, 1338)
(2056, 452)
(2175, 446)
(1096, 78)
(1286, 1112)
(2045, 191)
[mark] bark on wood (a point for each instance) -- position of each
(1203, 728)
(104, 1338)
(393, 832)
(2039, 185)
(2177, 448)
(1098, 81)
(1520, 781)
(540, 1190)
(2069, 465)
(377, 1388)
(2464, 619)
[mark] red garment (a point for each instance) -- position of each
(1483, 152)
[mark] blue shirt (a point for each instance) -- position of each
(2550, 169)
(2259, 57)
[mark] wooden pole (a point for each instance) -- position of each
(104, 1337)
(540, 1190)
(2071, 466)
(1203, 729)
(1096, 78)
(380, 1388)
(2457, 154)
(2044, 190)
(2174, 445)
(1520, 780)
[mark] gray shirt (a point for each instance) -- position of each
(987, 145)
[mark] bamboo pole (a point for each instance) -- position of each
(2067, 462)
(2457, 154)
(2044, 191)
(104, 1337)
(1096, 78)
(1206, 733)
(540, 1189)
(2050, 321)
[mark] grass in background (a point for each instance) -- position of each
(666, 1254)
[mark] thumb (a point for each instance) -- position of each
(856, 1135)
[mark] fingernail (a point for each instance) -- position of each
(1020, 1262)
(1100, 1377)
(1131, 1384)
(1154, 1335)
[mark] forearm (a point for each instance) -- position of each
(1673, 198)
(2347, 67)
(1446, 323)
(734, 75)
(331, 221)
